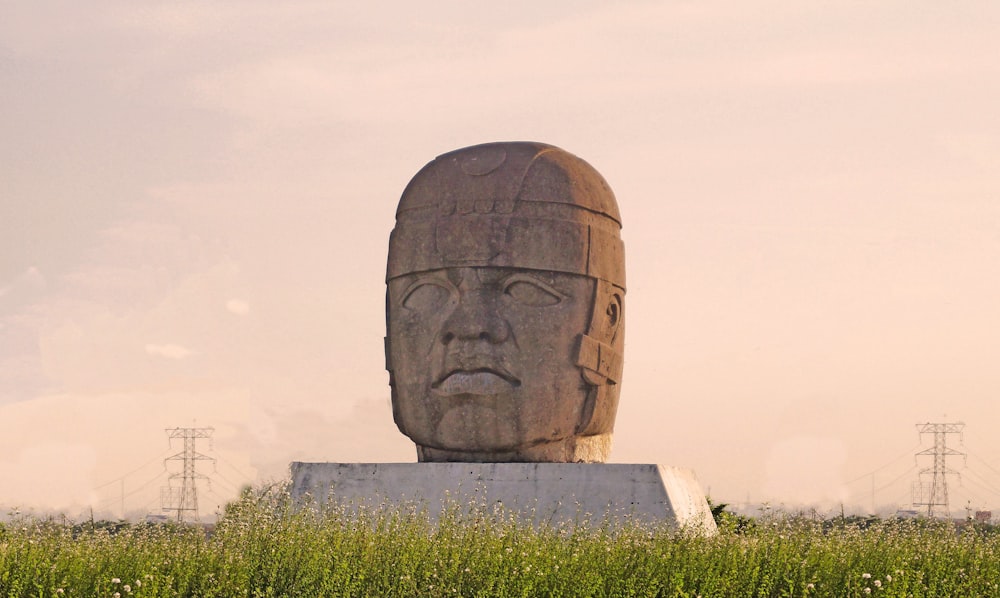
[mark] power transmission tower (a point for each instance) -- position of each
(185, 498)
(934, 494)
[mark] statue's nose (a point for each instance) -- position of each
(476, 318)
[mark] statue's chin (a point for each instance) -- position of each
(575, 449)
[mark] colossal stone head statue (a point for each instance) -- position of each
(504, 307)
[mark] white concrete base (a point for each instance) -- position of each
(553, 492)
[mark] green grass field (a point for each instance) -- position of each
(261, 546)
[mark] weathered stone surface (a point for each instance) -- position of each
(539, 492)
(504, 307)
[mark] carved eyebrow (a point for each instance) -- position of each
(425, 280)
(529, 279)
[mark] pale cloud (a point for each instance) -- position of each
(587, 60)
(31, 280)
(980, 149)
(238, 307)
(23, 31)
(169, 350)
(288, 90)
(195, 19)
(68, 470)
(34, 277)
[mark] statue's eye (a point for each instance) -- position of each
(531, 293)
(426, 296)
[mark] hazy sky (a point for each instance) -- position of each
(196, 198)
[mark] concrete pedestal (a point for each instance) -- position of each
(541, 492)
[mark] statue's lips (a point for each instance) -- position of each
(480, 381)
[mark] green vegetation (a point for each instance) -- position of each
(261, 546)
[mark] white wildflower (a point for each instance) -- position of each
(866, 576)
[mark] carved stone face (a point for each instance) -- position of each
(484, 358)
(506, 278)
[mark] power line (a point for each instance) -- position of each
(131, 492)
(236, 469)
(983, 461)
(235, 489)
(880, 468)
(125, 475)
(976, 479)
(899, 477)
(900, 499)
(149, 504)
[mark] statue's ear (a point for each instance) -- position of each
(608, 315)
(615, 314)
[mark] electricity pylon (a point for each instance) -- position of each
(185, 498)
(934, 494)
